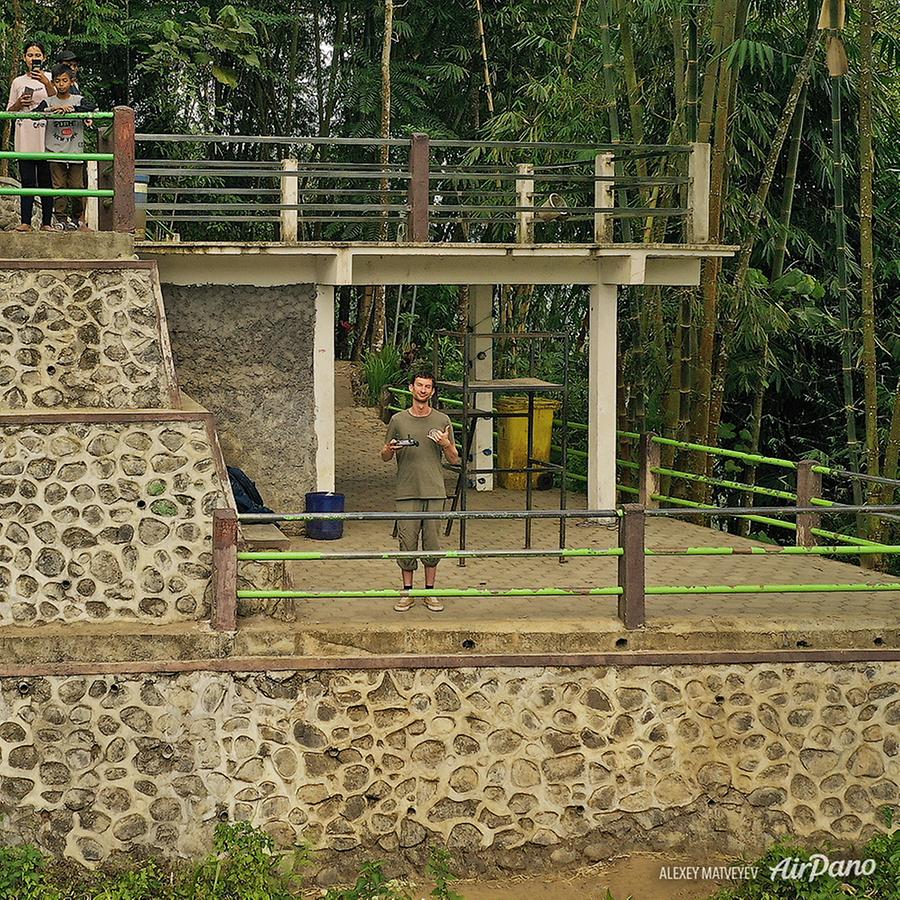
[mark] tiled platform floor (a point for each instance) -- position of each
(367, 483)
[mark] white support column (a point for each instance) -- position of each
(289, 197)
(323, 386)
(481, 319)
(92, 207)
(525, 198)
(604, 198)
(601, 473)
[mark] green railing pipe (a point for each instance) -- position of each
(5, 114)
(771, 588)
(721, 482)
(58, 157)
(432, 592)
(657, 590)
(316, 555)
(732, 454)
(52, 192)
(570, 552)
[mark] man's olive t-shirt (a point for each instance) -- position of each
(419, 472)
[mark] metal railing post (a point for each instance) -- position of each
(631, 566)
(648, 480)
(809, 485)
(604, 166)
(224, 607)
(419, 193)
(525, 198)
(290, 194)
(123, 170)
(698, 194)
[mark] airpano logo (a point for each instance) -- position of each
(795, 869)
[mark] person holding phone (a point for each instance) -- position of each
(419, 438)
(25, 93)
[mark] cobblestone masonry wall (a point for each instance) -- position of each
(81, 338)
(246, 354)
(515, 768)
(106, 521)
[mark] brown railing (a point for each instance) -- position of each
(418, 189)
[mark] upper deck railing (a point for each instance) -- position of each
(257, 188)
(417, 190)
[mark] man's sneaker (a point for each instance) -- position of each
(405, 602)
(70, 225)
(434, 604)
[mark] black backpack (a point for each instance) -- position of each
(246, 496)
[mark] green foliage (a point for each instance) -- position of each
(245, 865)
(23, 875)
(146, 883)
(438, 868)
(372, 884)
(881, 884)
(380, 369)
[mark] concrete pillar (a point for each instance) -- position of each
(601, 484)
(481, 319)
(323, 386)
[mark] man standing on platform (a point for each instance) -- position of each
(420, 437)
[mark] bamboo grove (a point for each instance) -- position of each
(791, 347)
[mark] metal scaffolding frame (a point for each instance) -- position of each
(470, 414)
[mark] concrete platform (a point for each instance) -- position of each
(66, 245)
(568, 624)
(571, 630)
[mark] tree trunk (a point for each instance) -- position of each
(866, 243)
(337, 49)
(384, 158)
(320, 89)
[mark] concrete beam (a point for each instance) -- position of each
(265, 265)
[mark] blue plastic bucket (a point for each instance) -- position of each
(324, 501)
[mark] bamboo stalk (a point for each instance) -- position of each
(866, 241)
(484, 59)
(576, 17)
(691, 79)
(609, 79)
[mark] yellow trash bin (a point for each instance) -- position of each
(512, 443)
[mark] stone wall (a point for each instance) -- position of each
(103, 521)
(511, 768)
(246, 354)
(82, 338)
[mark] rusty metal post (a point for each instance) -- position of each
(418, 192)
(224, 611)
(631, 566)
(648, 480)
(123, 170)
(809, 485)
